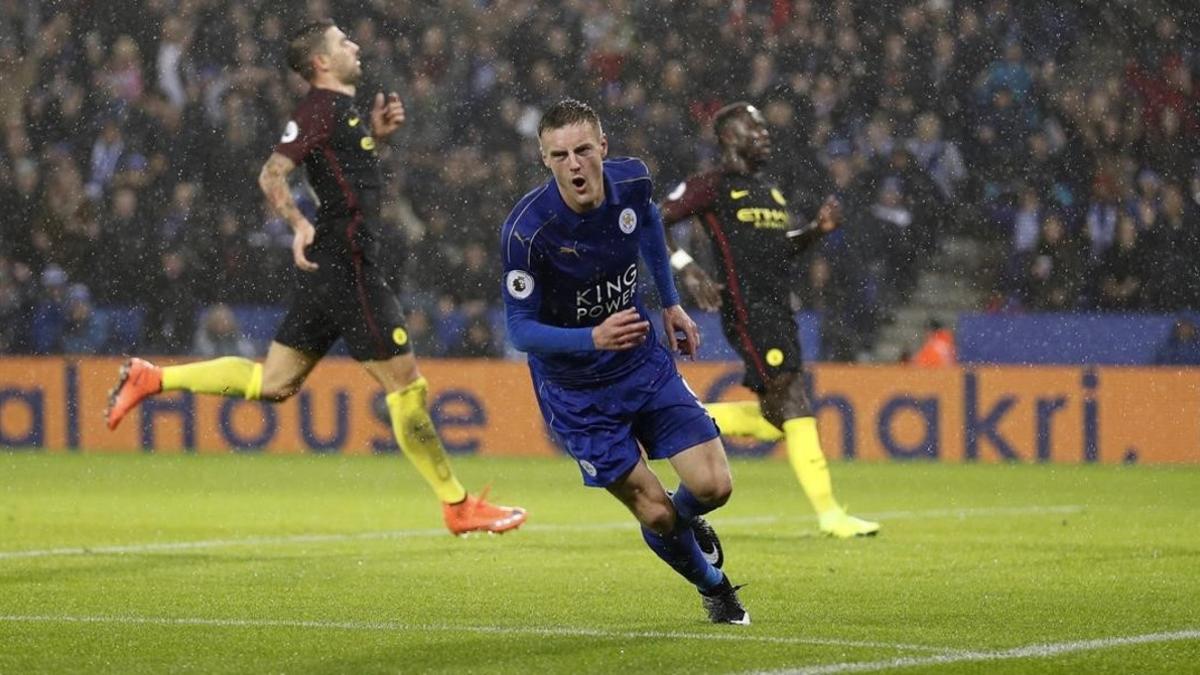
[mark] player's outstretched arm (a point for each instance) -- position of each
(829, 218)
(273, 182)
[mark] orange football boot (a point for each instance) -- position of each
(475, 514)
(138, 380)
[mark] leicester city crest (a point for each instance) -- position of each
(627, 221)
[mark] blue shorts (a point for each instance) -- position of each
(601, 427)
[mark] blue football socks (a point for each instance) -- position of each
(687, 506)
(680, 551)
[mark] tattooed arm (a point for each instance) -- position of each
(273, 181)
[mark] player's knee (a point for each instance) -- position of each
(280, 392)
(797, 403)
(406, 373)
(659, 518)
(724, 491)
(775, 415)
(796, 409)
(716, 491)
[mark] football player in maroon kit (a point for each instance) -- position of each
(343, 289)
(755, 238)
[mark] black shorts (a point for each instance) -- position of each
(768, 342)
(347, 297)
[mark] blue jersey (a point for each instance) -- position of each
(572, 270)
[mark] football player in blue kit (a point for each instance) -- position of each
(605, 385)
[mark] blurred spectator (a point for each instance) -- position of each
(478, 340)
(1101, 221)
(64, 218)
(1057, 269)
(220, 335)
(49, 317)
(1024, 232)
(477, 284)
(124, 231)
(841, 329)
(1169, 147)
(1122, 270)
(122, 75)
(169, 61)
(178, 227)
(1165, 86)
(1145, 205)
(1000, 135)
(940, 158)
(1173, 281)
(1182, 346)
(171, 308)
(1027, 221)
(1046, 172)
(420, 332)
(16, 307)
(1012, 76)
(20, 201)
(938, 349)
(236, 259)
(84, 330)
(893, 241)
(106, 155)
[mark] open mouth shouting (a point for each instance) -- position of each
(575, 155)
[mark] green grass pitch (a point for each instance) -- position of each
(213, 564)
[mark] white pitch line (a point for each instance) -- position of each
(314, 538)
(217, 543)
(542, 631)
(975, 512)
(1036, 651)
(157, 547)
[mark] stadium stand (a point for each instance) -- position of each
(994, 156)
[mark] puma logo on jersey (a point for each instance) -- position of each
(569, 250)
(521, 240)
(353, 122)
(739, 194)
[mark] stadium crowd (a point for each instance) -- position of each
(134, 131)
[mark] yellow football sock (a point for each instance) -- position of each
(226, 376)
(420, 443)
(743, 418)
(804, 452)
